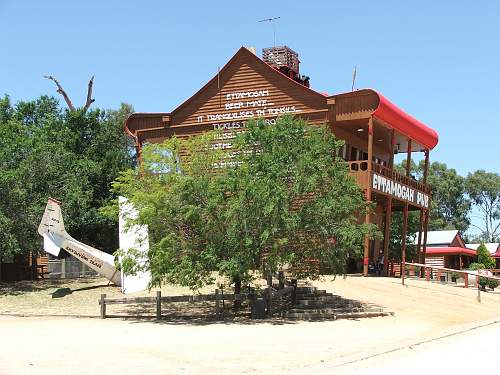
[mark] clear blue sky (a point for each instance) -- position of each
(438, 60)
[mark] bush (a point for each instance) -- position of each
(492, 284)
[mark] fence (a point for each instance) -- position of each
(69, 267)
(274, 300)
(441, 271)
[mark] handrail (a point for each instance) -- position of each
(474, 273)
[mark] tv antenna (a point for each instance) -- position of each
(271, 20)
(354, 73)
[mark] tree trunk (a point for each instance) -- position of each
(237, 290)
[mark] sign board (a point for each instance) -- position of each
(398, 190)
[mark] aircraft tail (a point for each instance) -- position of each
(51, 228)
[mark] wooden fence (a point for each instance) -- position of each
(439, 271)
(274, 300)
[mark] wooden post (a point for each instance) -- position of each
(425, 212)
(217, 305)
(103, 306)
(427, 274)
(158, 304)
(405, 216)
(466, 279)
(63, 268)
(419, 241)
(424, 244)
(426, 167)
(269, 301)
(387, 233)
(403, 249)
(368, 194)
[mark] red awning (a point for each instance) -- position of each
(404, 123)
(450, 251)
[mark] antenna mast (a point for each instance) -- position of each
(353, 77)
(271, 20)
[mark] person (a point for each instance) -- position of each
(380, 262)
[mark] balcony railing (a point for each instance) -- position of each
(361, 166)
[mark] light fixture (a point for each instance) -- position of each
(379, 140)
(360, 129)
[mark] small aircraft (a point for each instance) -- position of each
(55, 238)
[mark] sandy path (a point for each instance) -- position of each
(93, 346)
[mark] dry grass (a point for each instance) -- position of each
(79, 297)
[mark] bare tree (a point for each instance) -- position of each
(68, 101)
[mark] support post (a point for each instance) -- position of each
(218, 313)
(63, 268)
(419, 241)
(387, 234)
(403, 240)
(425, 212)
(405, 216)
(103, 306)
(158, 304)
(424, 245)
(368, 195)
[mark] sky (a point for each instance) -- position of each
(438, 60)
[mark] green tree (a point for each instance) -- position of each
(484, 190)
(450, 206)
(279, 197)
(70, 155)
(484, 257)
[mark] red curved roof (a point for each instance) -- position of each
(404, 123)
(452, 250)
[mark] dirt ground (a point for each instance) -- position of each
(93, 346)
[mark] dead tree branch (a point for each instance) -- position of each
(61, 91)
(89, 95)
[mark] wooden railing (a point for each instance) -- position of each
(438, 271)
(276, 300)
(362, 166)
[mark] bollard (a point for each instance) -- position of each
(478, 295)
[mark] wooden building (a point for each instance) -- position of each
(374, 130)
(446, 248)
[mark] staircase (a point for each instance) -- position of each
(314, 304)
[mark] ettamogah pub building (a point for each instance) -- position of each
(373, 128)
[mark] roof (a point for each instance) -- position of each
(450, 251)
(493, 247)
(384, 110)
(440, 237)
(245, 51)
(404, 123)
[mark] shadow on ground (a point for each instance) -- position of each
(17, 288)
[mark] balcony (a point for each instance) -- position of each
(390, 183)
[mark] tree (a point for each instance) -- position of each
(70, 155)
(484, 257)
(280, 196)
(450, 206)
(484, 190)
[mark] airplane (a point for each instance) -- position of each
(55, 238)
